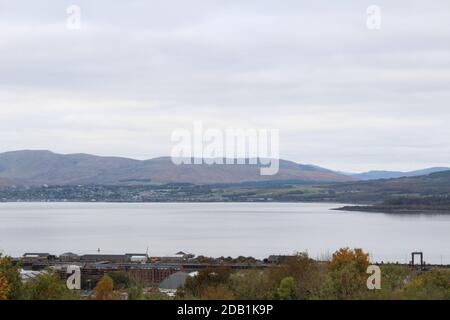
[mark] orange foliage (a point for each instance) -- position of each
(4, 288)
(345, 257)
(104, 289)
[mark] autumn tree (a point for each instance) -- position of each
(10, 273)
(104, 290)
(4, 288)
(347, 274)
(345, 256)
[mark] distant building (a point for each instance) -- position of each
(143, 273)
(139, 259)
(179, 257)
(37, 255)
(113, 258)
(278, 259)
(69, 257)
(32, 257)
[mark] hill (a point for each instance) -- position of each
(380, 174)
(45, 167)
(376, 191)
(9, 182)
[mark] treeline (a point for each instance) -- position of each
(443, 200)
(344, 277)
(408, 204)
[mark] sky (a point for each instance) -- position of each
(344, 96)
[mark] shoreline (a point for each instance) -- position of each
(393, 210)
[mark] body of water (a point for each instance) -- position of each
(216, 229)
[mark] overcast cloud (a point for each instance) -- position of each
(343, 96)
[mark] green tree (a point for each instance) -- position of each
(252, 285)
(135, 292)
(10, 272)
(308, 275)
(121, 279)
(48, 286)
(156, 295)
(216, 293)
(286, 290)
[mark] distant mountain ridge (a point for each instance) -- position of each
(380, 174)
(433, 184)
(46, 167)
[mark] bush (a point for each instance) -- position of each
(48, 286)
(432, 285)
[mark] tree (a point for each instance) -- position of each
(135, 292)
(4, 288)
(208, 277)
(286, 290)
(346, 274)
(121, 280)
(308, 275)
(10, 272)
(48, 286)
(104, 290)
(252, 285)
(216, 293)
(345, 256)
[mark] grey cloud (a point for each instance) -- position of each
(343, 96)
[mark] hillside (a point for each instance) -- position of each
(8, 182)
(381, 174)
(45, 167)
(435, 184)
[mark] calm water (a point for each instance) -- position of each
(215, 229)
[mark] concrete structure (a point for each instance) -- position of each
(174, 281)
(422, 262)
